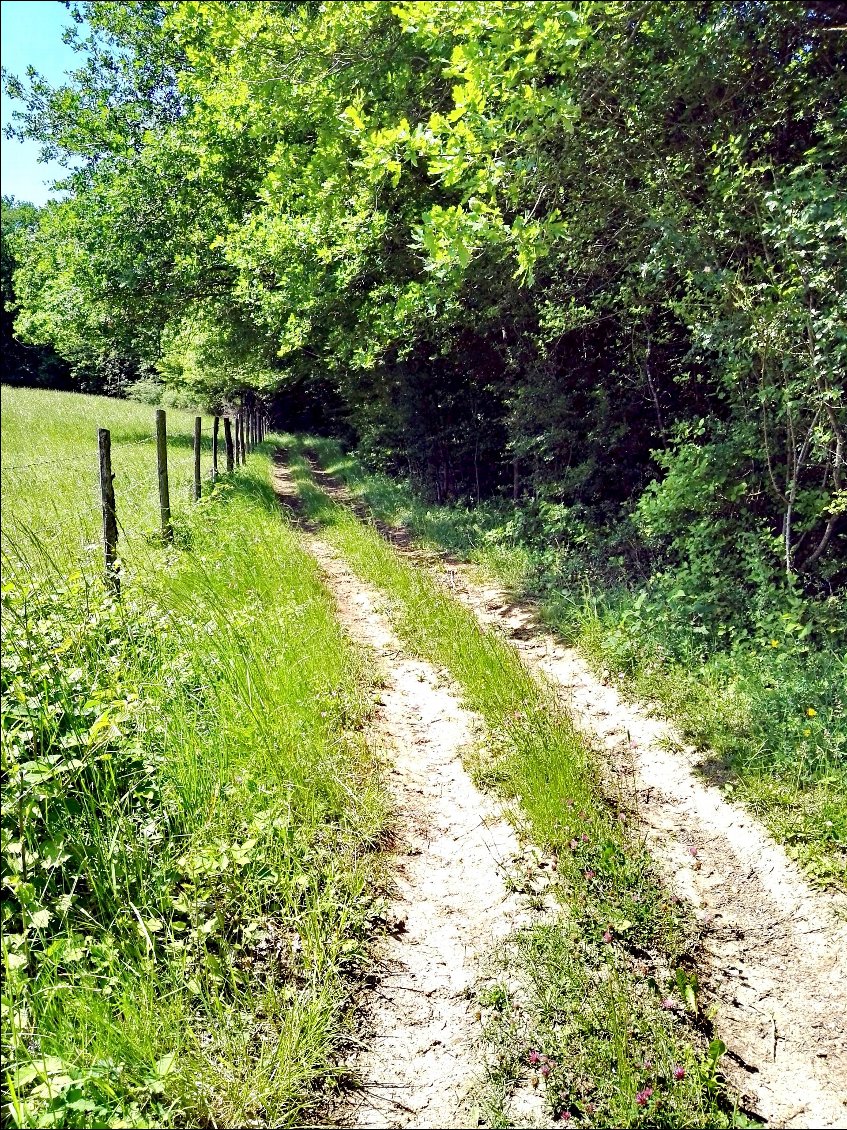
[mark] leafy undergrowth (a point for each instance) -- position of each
(764, 693)
(624, 979)
(188, 832)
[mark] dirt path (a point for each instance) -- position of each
(453, 852)
(774, 950)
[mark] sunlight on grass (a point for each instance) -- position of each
(190, 811)
(746, 703)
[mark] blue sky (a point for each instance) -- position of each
(32, 35)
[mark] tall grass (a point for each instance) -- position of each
(49, 475)
(190, 811)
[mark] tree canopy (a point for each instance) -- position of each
(591, 253)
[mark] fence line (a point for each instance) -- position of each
(250, 426)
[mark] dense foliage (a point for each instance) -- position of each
(21, 363)
(592, 255)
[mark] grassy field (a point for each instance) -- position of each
(190, 814)
(620, 1055)
(770, 704)
(51, 498)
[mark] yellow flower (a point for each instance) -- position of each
(806, 732)
(774, 643)
(811, 712)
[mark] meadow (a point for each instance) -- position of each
(49, 480)
(190, 813)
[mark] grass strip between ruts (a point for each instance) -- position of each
(766, 706)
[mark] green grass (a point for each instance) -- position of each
(191, 816)
(592, 1007)
(746, 697)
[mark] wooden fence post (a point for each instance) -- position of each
(162, 461)
(215, 429)
(238, 459)
(198, 433)
(107, 503)
(228, 442)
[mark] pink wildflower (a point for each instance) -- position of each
(642, 1098)
(669, 1005)
(545, 1069)
(693, 850)
(589, 874)
(607, 937)
(584, 838)
(679, 1072)
(565, 1116)
(534, 1057)
(574, 845)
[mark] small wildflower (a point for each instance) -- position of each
(589, 874)
(642, 1098)
(607, 937)
(669, 1005)
(545, 1069)
(534, 1057)
(574, 845)
(811, 712)
(774, 643)
(806, 732)
(679, 1072)
(565, 1116)
(695, 851)
(648, 1064)
(584, 838)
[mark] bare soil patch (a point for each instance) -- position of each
(773, 949)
